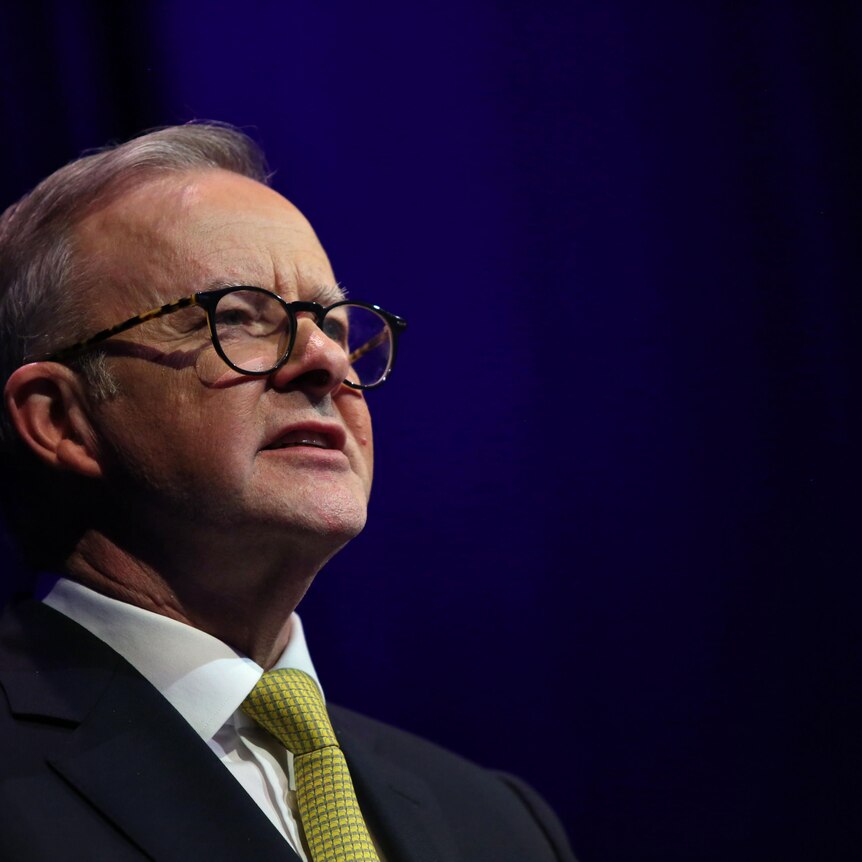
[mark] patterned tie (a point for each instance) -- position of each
(289, 705)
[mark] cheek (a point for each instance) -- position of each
(222, 428)
(214, 373)
(366, 447)
(354, 410)
(363, 432)
(171, 433)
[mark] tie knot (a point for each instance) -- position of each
(289, 705)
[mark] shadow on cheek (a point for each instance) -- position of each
(177, 359)
(214, 372)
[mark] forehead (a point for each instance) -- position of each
(174, 235)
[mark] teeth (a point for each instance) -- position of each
(302, 438)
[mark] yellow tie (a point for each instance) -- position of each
(289, 705)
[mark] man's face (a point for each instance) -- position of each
(189, 442)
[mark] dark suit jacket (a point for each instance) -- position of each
(96, 765)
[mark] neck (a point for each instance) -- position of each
(243, 598)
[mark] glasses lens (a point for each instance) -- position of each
(368, 341)
(253, 329)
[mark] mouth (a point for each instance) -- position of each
(306, 436)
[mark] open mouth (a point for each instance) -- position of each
(314, 439)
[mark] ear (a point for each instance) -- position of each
(48, 407)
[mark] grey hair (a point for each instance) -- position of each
(39, 273)
(42, 304)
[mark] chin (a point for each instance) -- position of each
(342, 518)
(333, 514)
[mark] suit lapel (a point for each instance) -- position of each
(149, 772)
(144, 768)
(132, 755)
(399, 807)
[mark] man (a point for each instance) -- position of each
(186, 440)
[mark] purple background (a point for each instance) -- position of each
(612, 544)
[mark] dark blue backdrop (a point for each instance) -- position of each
(612, 542)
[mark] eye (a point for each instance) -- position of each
(233, 317)
(249, 314)
(335, 327)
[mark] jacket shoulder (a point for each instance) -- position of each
(483, 807)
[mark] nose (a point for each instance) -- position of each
(317, 364)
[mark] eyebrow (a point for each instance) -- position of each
(328, 294)
(325, 294)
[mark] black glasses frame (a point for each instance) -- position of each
(209, 299)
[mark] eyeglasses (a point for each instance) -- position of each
(253, 330)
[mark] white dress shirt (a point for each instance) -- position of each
(205, 680)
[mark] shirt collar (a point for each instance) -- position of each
(203, 678)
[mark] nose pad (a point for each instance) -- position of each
(316, 364)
